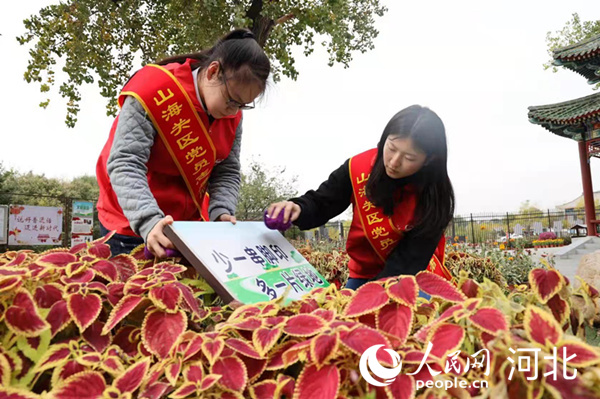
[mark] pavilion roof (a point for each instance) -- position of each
(569, 118)
(582, 57)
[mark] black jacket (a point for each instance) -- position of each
(411, 255)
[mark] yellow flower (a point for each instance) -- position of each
(502, 246)
(511, 258)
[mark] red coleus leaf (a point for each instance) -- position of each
(560, 309)
(64, 371)
(193, 344)
(121, 310)
(172, 371)
(209, 381)
(314, 383)
(286, 384)
(87, 384)
(190, 299)
(212, 348)
(93, 336)
(263, 389)
(185, 390)
(250, 324)
(112, 365)
(58, 317)
(403, 387)
(56, 259)
(126, 266)
(18, 259)
(439, 287)
(545, 283)
(323, 347)
(54, 356)
(405, 291)
(10, 283)
(294, 353)
(115, 293)
(7, 392)
(304, 325)
(160, 331)
(82, 276)
(47, 295)
(155, 391)
(470, 288)
(360, 339)
(578, 354)
(490, 320)
(541, 327)
(265, 338)
(446, 338)
(243, 347)
(368, 298)
(23, 318)
(132, 378)
(233, 373)
(84, 309)
(254, 367)
(194, 372)
(166, 297)
(106, 269)
(308, 305)
(276, 357)
(100, 250)
(326, 314)
(396, 320)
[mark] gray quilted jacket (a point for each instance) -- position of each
(134, 138)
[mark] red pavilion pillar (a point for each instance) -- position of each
(588, 191)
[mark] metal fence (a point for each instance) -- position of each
(472, 228)
(478, 228)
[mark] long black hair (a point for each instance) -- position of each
(435, 204)
(238, 52)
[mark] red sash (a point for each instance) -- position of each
(179, 126)
(380, 230)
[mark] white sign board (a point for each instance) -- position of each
(82, 222)
(35, 225)
(3, 224)
(245, 261)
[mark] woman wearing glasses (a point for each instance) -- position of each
(176, 140)
(401, 196)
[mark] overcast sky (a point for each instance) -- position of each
(478, 66)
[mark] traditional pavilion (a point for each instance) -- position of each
(578, 119)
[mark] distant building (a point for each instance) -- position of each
(578, 203)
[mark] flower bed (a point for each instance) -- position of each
(80, 323)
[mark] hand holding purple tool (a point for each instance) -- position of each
(276, 223)
(171, 253)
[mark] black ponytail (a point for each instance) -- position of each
(238, 52)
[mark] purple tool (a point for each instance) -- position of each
(171, 253)
(276, 223)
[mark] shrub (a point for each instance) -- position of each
(547, 235)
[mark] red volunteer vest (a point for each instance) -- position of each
(184, 152)
(373, 235)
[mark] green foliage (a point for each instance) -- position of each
(261, 187)
(103, 41)
(574, 31)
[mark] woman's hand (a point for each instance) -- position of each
(227, 218)
(157, 241)
(291, 210)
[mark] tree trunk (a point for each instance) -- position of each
(262, 27)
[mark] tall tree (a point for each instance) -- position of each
(260, 187)
(103, 41)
